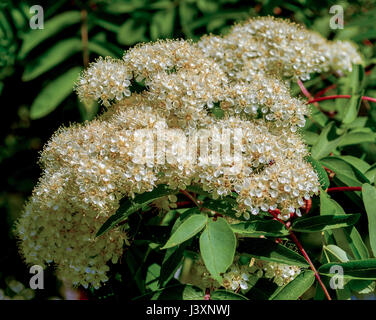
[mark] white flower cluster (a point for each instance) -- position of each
(279, 272)
(107, 80)
(88, 168)
(243, 276)
(277, 48)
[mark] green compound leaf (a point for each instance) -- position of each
(294, 289)
(54, 93)
(51, 58)
(189, 228)
(325, 222)
(226, 295)
(129, 206)
(271, 228)
(268, 250)
(356, 269)
(369, 199)
(321, 173)
(217, 247)
(53, 26)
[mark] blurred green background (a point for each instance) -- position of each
(38, 69)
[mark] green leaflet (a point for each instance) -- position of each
(356, 269)
(345, 172)
(189, 228)
(352, 108)
(351, 241)
(328, 206)
(294, 289)
(179, 292)
(324, 146)
(129, 206)
(271, 228)
(348, 238)
(131, 32)
(54, 93)
(171, 262)
(357, 137)
(335, 253)
(324, 222)
(101, 49)
(310, 137)
(268, 250)
(371, 173)
(361, 165)
(51, 58)
(162, 24)
(152, 276)
(369, 199)
(217, 247)
(52, 26)
(226, 295)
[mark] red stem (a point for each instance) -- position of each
(304, 90)
(339, 189)
(275, 213)
(323, 91)
(190, 197)
(305, 255)
(182, 203)
(207, 294)
(343, 96)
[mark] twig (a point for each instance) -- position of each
(307, 93)
(207, 294)
(339, 189)
(305, 255)
(340, 96)
(197, 203)
(323, 91)
(84, 38)
(275, 213)
(191, 197)
(182, 203)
